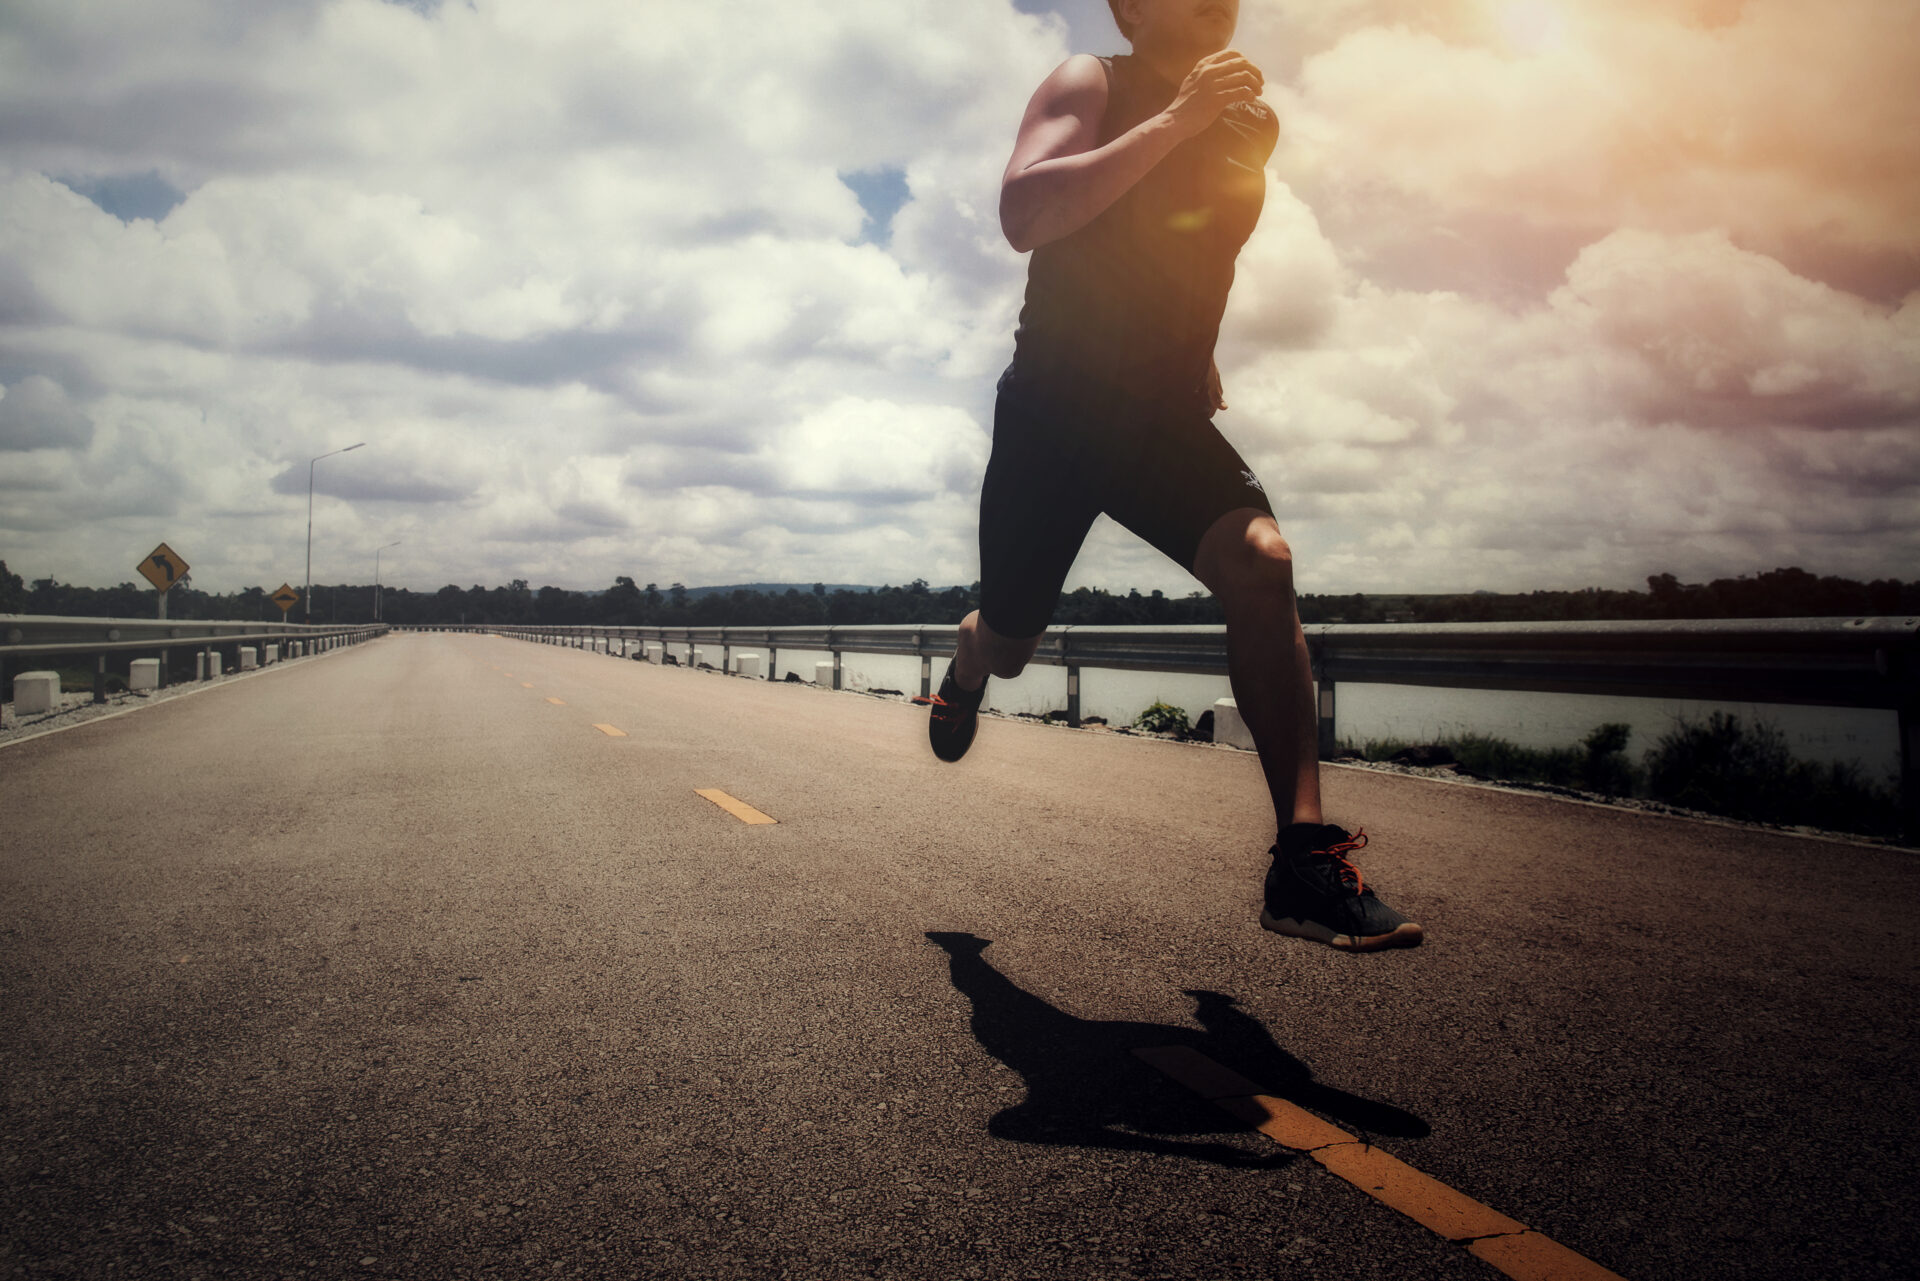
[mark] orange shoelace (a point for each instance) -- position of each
(1343, 867)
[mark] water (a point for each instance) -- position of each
(1409, 713)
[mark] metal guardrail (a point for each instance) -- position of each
(39, 635)
(1829, 662)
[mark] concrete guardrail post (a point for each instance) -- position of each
(143, 674)
(747, 665)
(655, 650)
(100, 678)
(249, 658)
(836, 669)
(213, 664)
(1229, 726)
(773, 663)
(35, 692)
(273, 654)
(826, 675)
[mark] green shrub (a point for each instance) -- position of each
(1725, 767)
(1162, 718)
(1606, 769)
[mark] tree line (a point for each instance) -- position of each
(1778, 593)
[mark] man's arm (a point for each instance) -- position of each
(1058, 181)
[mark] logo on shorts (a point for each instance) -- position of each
(1252, 480)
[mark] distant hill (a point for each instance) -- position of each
(771, 589)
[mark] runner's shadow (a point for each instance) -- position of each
(1084, 1088)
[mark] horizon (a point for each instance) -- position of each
(780, 587)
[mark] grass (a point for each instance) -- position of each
(1718, 766)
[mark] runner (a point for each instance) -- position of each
(1134, 181)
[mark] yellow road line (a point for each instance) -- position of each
(739, 809)
(610, 731)
(557, 702)
(1508, 1245)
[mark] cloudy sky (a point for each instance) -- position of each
(1548, 293)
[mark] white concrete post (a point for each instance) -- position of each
(823, 674)
(213, 664)
(35, 692)
(273, 653)
(249, 658)
(654, 650)
(693, 657)
(747, 665)
(1229, 726)
(143, 673)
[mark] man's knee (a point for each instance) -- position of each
(1254, 558)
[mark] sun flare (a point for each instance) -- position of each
(1533, 26)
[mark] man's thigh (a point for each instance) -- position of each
(1035, 511)
(1173, 481)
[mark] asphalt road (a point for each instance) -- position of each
(388, 964)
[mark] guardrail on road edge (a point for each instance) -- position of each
(1828, 662)
(33, 635)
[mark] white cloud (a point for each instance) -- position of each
(1543, 294)
(35, 413)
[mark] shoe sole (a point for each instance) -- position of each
(972, 729)
(1406, 934)
(956, 755)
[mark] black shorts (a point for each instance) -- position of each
(1062, 455)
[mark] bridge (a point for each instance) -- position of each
(451, 954)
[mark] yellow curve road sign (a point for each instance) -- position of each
(163, 567)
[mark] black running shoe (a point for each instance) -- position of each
(956, 715)
(1314, 892)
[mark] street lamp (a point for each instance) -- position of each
(309, 593)
(376, 578)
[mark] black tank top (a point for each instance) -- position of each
(1133, 299)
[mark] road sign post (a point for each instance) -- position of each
(163, 567)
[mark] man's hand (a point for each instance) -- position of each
(1216, 82)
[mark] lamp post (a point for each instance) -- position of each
(376, 578)
(307, 599)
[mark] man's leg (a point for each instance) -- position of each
(1313, 890)
(1248, 567)
(983, 652)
